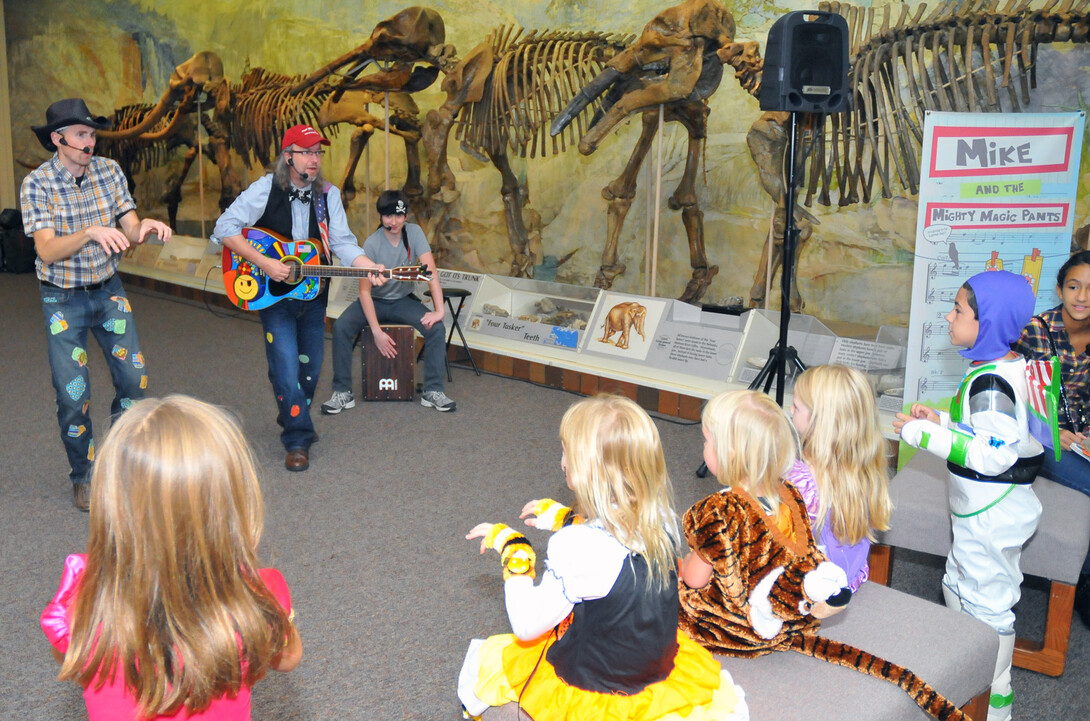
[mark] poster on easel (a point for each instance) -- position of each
(997, 192)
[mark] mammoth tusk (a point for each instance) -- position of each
(358, 57)
(157, 113)
(583, 98)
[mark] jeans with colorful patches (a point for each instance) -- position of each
(294, 347)
(106, 313)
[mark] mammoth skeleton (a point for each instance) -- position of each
(677, 64)
(970, 56)
(540, 93)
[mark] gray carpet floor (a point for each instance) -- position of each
(387, 591)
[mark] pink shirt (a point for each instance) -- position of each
(113, 702)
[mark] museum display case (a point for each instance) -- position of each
(887, 368)
(524, 310)
(641, 340)
(810, 338)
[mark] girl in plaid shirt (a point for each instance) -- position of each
(1064, 331)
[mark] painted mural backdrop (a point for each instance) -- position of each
(857, 267)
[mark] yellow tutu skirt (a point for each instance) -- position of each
(698, 689)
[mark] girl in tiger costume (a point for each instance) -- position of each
(755, 581)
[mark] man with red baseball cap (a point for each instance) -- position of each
(294, 201)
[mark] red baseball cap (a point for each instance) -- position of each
(302, 135)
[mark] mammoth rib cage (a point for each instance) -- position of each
(533, 79)
(954, 58)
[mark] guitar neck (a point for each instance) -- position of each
(333, 271)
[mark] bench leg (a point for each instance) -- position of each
(977, 708)
(879, 560)
(1050, 656)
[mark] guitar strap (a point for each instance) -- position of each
(323, 223)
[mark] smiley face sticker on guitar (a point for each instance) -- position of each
(246, 287)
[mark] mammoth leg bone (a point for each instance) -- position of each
(619, 194)
(694, 116)
(173, 195)
(767, 141)
(413, 187)
(760, 278)
(359, 140)
(219, 149)
(805, 230)
(522, 262)
(463, 85)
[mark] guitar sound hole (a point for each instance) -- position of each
(295, 273)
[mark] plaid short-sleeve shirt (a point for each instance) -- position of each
(1074, 364)
(51, 198)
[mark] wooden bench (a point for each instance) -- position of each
(921, 522)
(895, 626)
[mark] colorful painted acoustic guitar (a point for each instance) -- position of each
(249, 288)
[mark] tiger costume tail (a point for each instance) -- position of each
(847, 656)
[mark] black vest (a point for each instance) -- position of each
(277, 217)
(624, 641)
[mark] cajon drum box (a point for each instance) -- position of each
(389, 379)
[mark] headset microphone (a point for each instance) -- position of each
(65, 143)
(387, 227)
(304, 176)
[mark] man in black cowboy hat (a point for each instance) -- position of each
(72, 205)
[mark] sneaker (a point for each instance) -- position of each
(437, 400)
(339, 402)
(81, 495)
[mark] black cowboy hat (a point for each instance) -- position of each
(71, 111)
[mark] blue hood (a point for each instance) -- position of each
(1004, 302)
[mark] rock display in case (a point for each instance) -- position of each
(533, 311)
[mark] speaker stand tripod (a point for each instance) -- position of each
(782, 354)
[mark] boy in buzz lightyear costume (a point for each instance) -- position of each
(992, 459)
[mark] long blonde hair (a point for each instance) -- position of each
(171, 596)
(617, 470)
(754, 442)
(844, 448)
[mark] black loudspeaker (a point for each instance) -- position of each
(806, 64)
